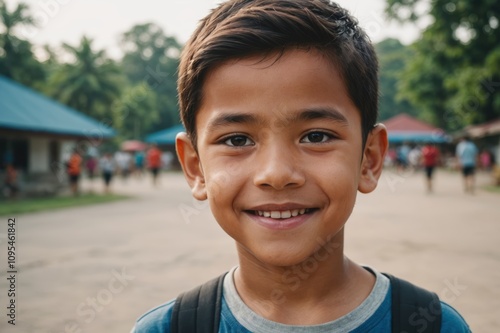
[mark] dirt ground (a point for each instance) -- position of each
(97, 268)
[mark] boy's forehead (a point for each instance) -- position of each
(277, 58)
(302, 75)
(253, 70)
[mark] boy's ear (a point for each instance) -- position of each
(373, 158)
(190, 162)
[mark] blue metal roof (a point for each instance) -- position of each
(417, 137)
(22, 108)
(165, 137)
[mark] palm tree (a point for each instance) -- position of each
(16, 57)
(89, 84)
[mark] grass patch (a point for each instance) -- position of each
(492, 188)
(22, 206)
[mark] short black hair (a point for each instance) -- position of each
(240, 28)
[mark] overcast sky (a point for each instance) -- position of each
(104, 20)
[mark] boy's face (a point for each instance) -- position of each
(280, 154)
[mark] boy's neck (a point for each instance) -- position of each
(308, 293)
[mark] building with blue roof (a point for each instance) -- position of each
(37, 133)
(165, 137)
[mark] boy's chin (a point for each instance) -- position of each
(286, 256)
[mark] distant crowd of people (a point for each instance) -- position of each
(466, 157)
(120, 163)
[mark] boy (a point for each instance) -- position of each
(279, 101)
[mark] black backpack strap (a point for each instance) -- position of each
(414, 310)
(198, 310)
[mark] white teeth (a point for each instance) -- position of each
(275, 214)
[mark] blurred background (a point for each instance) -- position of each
(89, 115)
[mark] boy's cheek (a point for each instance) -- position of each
(217, 183)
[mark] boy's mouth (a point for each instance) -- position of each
(282, 214)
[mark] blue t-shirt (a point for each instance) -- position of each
(467, 153)
(373, 315)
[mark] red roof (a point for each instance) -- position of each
(485, 129)
(406, 123)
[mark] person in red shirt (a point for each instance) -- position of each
(430, 159)
(74, 167)
(154, 161)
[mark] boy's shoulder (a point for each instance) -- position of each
(156, 320)
(452, 321)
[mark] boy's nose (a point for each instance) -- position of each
(278, 168)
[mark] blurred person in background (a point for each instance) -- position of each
(466, 154)
(11, 186)
(486, 160)
(154, 162)
(430, 160)
(414, 157)
(91, 166)
(139, 163)
(166, 160)
(124, 162)
(74, 169)
(391, 158)
(108, 167)
(402, 156)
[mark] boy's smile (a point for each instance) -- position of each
(279, 154)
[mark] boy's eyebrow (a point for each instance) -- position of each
(308, 114)
(231, 118)
(320, 113)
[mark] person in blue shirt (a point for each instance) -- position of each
(279, 100)
(403, 154)
(467, 153)
(139, 163)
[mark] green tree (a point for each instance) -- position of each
(152, 57)
(393, 57)
(17, 60)
(90, 84)
(135, 112)
(455, 73)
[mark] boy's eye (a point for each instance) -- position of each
(238, 141)
(316, 137)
